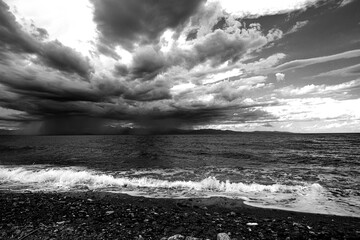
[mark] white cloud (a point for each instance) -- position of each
(212, 78)
(280, 77)
(291, 91)
(262, 65)
(311, 61)
(263, 7)
(167, 40)
(297, 26)
(274, 34)
(315, 109)
(252, 80)
(346, 2)
(177, 89)
(324, 126)
(348, 71)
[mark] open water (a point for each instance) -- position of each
(317, 173)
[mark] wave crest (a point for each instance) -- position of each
(68, 178)
(302, 196)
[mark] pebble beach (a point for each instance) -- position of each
(101, 215)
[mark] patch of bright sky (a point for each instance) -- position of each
(181, 88)
(206, 98)
(8, 113)
(211, 78)
(4, 125)
(4, 112)
(126, 56)
(315, 109)
(328, 126)
(305, 115)
(262, 7)
(166, 40)
(103, 65)
(69, 21)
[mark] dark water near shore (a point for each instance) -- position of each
(310, 173)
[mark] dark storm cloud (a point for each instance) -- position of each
(154, 121)
(42, 108)
(44, 93)
(41, 92)
(215, 48)
(137, 21)
(145, 105)
(60, 57)
(45, 79)
(148, 92)
(35, 83)
(121, 70)
(73, 125)
(13, 38)
(147, 63)
(220, 46)
(136, 90)
(181, 117)
(108, 51)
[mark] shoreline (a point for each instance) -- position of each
(104, 215)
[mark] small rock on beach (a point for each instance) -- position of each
(223, 236)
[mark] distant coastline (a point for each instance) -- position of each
(144, 131)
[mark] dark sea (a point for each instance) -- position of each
(317, 173)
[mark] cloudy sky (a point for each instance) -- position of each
(287, 65)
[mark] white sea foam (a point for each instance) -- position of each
(304, 197)
(70, 177)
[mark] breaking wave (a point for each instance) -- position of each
(69, 178)
(304, 197)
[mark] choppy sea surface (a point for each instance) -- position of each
(317, 173)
